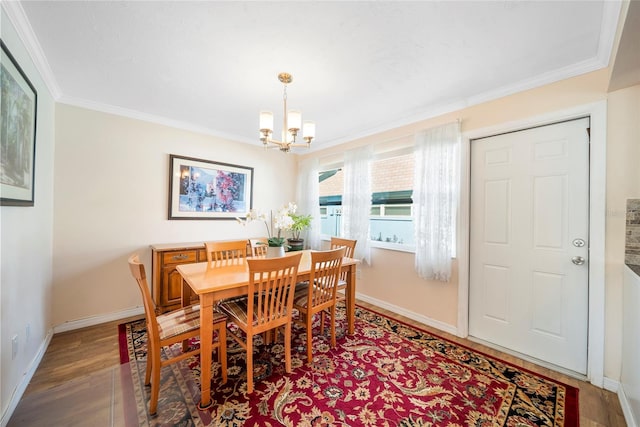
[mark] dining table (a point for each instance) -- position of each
(217, 280)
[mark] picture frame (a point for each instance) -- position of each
(18, 116)
(205, 189)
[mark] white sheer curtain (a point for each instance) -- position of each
(356, 199)
(435, 200)
(308, 198)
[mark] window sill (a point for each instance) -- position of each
(382, 245)
(392, 246)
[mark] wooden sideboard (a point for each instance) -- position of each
(166, 281)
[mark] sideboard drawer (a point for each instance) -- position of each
(180, 257)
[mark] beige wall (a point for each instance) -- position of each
(623, 182)
(111, 186)
(25, 247)
(390, 278)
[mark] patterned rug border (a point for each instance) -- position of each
(571, 403)
(487, 355)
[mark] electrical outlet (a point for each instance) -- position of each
(14, 347)
(358, 273)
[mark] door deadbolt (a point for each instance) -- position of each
(578, 243)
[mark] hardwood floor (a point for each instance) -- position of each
(78, 382)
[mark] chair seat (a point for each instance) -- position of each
(302, 285)
(236, 309)
(300, 298)
(183, 320)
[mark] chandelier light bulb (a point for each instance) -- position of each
(309, 129)
(294, 119)
(266, 121)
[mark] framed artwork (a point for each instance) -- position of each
(18, 106)
(202, 189)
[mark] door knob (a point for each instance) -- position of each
(577, 260)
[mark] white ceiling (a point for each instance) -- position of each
(358, 67)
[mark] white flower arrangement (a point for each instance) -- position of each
(281, 221)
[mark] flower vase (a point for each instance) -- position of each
(275, 251)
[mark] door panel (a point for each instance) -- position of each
(529, 201)
(496, 292)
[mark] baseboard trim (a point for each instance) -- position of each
(626, 408)
(26, 379)
(445, 327)
(610, 385)
(96, 320)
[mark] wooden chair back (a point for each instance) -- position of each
(225, 250)
(272, 282)
(138, 272)
(323, 280)
(259, 246)
(348, 244)
(350, 248)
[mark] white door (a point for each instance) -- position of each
(528, 281)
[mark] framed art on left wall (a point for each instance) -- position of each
(18, 107)
(204, 189)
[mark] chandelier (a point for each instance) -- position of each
(292, 123)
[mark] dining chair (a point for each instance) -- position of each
(170, 328)
(225, 250)
(350, 248)
(268, 305)
(320, 293)
(259, 246)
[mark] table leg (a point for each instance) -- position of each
(206, 338)
(351, 298)
(186, 301)
(185, 294)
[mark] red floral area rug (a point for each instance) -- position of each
(387, 374)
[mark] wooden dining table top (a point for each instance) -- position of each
(221, 276)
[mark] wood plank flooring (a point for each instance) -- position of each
(78, 382)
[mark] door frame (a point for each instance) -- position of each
(597, 112)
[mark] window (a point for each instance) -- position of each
(390, 219)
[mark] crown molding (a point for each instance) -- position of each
(151, 118)
(608, 29)
(20, 22)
